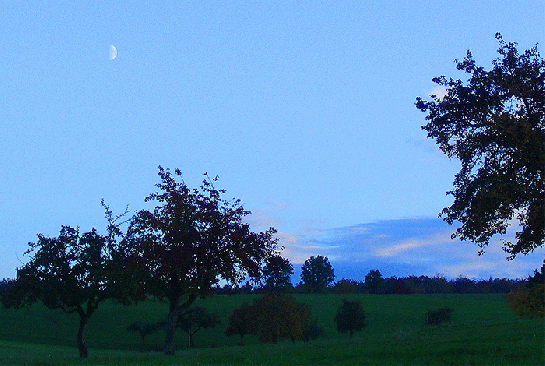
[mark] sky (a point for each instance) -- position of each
(305, 110)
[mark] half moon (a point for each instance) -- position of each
(113, 52)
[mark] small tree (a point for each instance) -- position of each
(194, 319)
(350, 317)
(280, 316)
(145, 329)
(373, 281)
(243, 321)
(277, 273)
(74, 272)
(317, 273)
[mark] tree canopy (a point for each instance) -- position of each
(494, 123)
(277, 273)
(317, 273)
(350, 317)
(191, 240)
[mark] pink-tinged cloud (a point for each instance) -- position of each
(406, 247)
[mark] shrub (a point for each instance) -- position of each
(528, 302)
(350, 317)
(280, 316)
(436, 317)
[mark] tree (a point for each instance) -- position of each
(73, 272)
(190, 240)
(280, 316)
(317, 273)
(373, 281)
(350, 317)
(194, 319)
(145, 329)
(495, 125)
(277, 273)
(242, 322)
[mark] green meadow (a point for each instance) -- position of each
(483, 331)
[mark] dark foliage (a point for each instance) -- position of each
(243, 321)
(317, 273)
(277, 273)
(530, 301)
(345, 286)
(273, 317)
(350, 317)
(190, 240)
(74, 272)
(495, 125)
(280, 316)
(436, 317)
(373, 281)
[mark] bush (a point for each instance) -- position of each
(280, 316)
(436, 317)
(528, 302)
(350, 317)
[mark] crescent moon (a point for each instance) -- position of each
(113, 52)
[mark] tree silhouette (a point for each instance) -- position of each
(277, 273)
(495, 125)
(243, 321)
(317, 273)
(73, 272)
(350, 317)
(190, 240)
(194, 319)
(373, 281)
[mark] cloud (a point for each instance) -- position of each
(403, 247)
(394, 250)
(439, 91)
(266, 217)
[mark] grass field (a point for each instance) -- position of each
(483, 331)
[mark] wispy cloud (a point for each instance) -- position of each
(405, 247)
(266, 217)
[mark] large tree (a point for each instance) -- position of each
(494, 123)
(191, 240)
(317, 273)
(74, 272)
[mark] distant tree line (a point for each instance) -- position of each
(374, 283)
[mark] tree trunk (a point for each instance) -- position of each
(170, 346)
(81, 336)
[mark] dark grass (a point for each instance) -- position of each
(483, 330)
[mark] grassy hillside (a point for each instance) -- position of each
(483, 330)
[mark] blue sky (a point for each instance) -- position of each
(304, 109)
